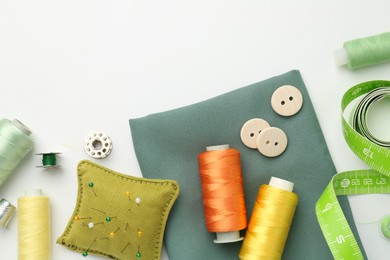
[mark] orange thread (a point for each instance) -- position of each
(269, 224)
(222, 189)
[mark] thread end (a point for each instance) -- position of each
(217, 147)
(281, 184)
(33, 192)
(228, 237)
(341, 56)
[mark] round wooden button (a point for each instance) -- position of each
(286, 100)
(251, 129)
(272, 142)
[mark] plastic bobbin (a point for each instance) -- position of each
(98, 145)
(231, 236)
(49, 160)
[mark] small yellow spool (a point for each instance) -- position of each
(270, 221)
(34, 226)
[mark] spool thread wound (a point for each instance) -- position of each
(34, 226)
(15, 144)
(364, 52)
(49, 160)
(223, 195)
(270, 222)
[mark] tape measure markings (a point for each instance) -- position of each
(335, 227)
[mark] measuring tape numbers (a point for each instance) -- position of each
(371, 150)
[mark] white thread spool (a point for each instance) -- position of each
(231, 236)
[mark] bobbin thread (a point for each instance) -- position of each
(49, 160)
(223, 194)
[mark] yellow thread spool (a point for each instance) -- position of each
(270, 221)
(34, 226)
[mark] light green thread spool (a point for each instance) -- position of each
(364, 52)
(15, 143)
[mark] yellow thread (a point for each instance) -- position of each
(34, 228)
(269, 225)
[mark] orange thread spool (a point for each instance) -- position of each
(223, 192)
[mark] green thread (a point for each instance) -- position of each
(49, 159)
(385, 226)
(368, 51)
(15, 143)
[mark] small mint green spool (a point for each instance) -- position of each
(364, 52)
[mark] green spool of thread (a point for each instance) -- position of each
(364, 52)
(49, 160)
(15, 144)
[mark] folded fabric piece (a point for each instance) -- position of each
(167, 145)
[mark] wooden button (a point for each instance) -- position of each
(286, 100)
(272, 142)
(251, 129)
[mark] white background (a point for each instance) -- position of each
(68, 68)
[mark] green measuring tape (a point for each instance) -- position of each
(373, 152)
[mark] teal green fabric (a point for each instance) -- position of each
(167, 145)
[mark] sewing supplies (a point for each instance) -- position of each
(15, 143)
(124, 219)
(269, 141)
(384, 227)
(223, 192)
(287, 100)
(49, 160)
(34, 226)
(364, 52)
(272, 142)
(334, 226)
(6, 212)
(98, 145)
(270, 222)
(369, 149)
(257, 133)
(251, 129)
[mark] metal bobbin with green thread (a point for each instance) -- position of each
(49, 160)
